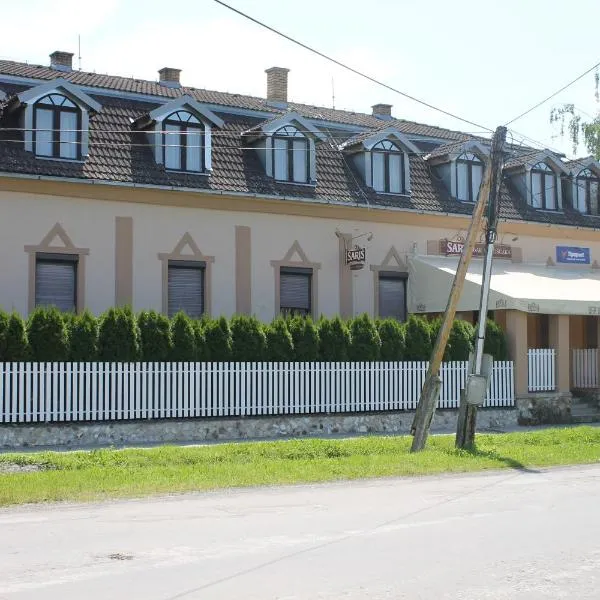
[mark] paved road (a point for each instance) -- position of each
(511, 536)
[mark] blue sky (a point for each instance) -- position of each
(486, 60)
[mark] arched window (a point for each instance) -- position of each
(387, 163)
(543, 187)
(469, 173)
(587, 192)
(290, 155)
(183, 142)
(57, 127)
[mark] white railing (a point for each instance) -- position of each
(542, 369)
(585, 368)
(50, 392)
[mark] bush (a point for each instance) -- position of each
(217, 334)
(391, 334)
(249, 342)
(418, 339)
(199, 326)
(461, 340)
(3, 332)
(305, 338)
(183, 337)
(365, 341)
(280, 346)
(83, 337)
(155, 336)
(118, 336)
(47, 335)
(495, 341)
(16, 348)
(334, 339)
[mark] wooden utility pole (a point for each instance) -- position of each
(467, 415)
(431, 388)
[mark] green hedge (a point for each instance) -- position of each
(121, 336)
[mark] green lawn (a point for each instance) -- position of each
(100, 474)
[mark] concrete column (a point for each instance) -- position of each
(516, 335)
(560, 341)
(346, 279)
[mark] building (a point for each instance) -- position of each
(119, 191)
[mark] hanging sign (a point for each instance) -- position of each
(455, 248)
(572, 255)
(356, 257)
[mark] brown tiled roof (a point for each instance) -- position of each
(118, 154)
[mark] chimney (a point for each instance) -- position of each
(382, 111)
(169, 77)
(277, 82)
(61, 61)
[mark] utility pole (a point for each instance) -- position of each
(467, 416)
(431, 388)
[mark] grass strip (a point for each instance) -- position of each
(112, 473)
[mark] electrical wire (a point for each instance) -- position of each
(351, 69)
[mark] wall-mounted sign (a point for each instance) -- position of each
(356, 257)
(572, 255)
(455, 248)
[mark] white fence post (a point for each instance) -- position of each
(542, 369)
(585, 368)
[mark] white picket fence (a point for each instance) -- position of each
(50, 392)
(542, 369)
(585, 368)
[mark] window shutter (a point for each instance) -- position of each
(300, 165)
(186, 290)
(56, 284)
(294, 290)
(476, 176)
(462, 181)
(280, 150)
(392, 297)
(378, 171)
(68, 135)
(44, 125)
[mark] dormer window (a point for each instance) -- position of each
(543, 187)
(587, 192)
(291, 155)
(469, 173)
(57, 127)
(183, 142)
(387, 163)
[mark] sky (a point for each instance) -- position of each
(484, 60)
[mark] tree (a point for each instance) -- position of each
(47, 335)
(366, 343)
(155, 336)
(280, 346)
(83, 337)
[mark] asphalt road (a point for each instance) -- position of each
(512, 535)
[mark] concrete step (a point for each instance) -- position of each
(582, 409)
(581, 419)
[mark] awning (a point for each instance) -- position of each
(527, 287)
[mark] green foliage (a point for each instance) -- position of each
(183, 336)
(3, 331)
(83, 337)
(305, 338)
(16, 348)
(461, 340)
(495, 341)
(334, 339)
(418, 339)
(249, 342)
(155, 336)
(392, 336)
(280, 346)
(199, 326)
(47, 335)
(365, 341)
(119, 336)
(218, 340)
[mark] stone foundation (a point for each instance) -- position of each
(123, 433)
(544, 409)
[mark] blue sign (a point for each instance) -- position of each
(572, 255)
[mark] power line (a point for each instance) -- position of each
(349, 68)
(562, 89)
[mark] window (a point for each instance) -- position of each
(387, 168)
(587, 192)
(290, 155)
(469, 173)
(57, 125)
(392, 295)
(185, 290)
(56, 281)
(183, 142)
(295, 291)
(543, 187)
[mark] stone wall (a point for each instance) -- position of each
(122, 433)
(544, 409)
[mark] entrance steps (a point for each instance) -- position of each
(585, 406)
